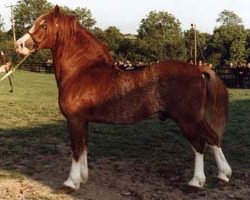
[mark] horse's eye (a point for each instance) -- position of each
(44, 26)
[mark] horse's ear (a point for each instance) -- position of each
(56, 11)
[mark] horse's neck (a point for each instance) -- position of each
(74, 55)
(70, 60)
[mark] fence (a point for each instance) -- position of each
(38, 67)
(235, 77)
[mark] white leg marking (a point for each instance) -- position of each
(199, 178)
(78, 173)
(84, 168)
(224, 170)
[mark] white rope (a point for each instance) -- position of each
(14, 68)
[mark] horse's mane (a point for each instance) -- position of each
(70, 29)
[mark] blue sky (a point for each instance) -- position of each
(127, 14)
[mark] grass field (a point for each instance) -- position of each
(147, 160)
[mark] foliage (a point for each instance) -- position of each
(202, 44)
(162, 33)
(247, 45)
(27, 11)
(229, 18)
(1, 23)
(159, 36)
(98, 32)
(84, 16)
(113, 37)
(1, 29)
(230, 39)
(131, 49)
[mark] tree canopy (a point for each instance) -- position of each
(228, 18)
(229, 39)
(159, 36)
(162, 34)
(26, 11)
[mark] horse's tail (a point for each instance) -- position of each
(217, 102)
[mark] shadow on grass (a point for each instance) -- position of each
(43, 153)
(237, 138)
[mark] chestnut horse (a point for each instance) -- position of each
(91, 89)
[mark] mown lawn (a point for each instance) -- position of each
(33, 110)
(32, 131)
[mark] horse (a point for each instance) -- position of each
(92, 89)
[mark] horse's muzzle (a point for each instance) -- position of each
(25, 45)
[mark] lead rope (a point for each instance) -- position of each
(14, 68)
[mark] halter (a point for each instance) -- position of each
(34, 40)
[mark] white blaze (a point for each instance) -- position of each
(20, 44)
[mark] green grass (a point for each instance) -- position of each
(33, 102)
(31, 126)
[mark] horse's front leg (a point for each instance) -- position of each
(78, 130)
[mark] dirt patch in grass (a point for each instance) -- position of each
(15, 189)
(34, 163)
(114, 179)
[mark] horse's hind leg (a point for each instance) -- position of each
(194, 132)
(199, 177)
(79, 169)
(199, 134)
(224, 170)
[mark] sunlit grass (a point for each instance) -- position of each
(33, 134)
(33, 102)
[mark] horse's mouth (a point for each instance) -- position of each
(25, 45)
(25, 50)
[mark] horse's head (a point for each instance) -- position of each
(41, 35)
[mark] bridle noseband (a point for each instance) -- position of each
(34, 40)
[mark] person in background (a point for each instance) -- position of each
(5, 63)
(5, 66)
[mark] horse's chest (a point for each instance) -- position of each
(74, 102)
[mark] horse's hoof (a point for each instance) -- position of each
(223, 177)
(66, 190)
(222, 182)
(197, 182)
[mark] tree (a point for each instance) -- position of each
(202, 40)
(162, 35)
(1, 23)
(113, 37)
(98, 32)
(229, 39)
(27, 11)
(248, 45)
(229, 18)
(84, 16)
(1, 28)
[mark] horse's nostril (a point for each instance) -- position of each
(21, 45)
(29, 44)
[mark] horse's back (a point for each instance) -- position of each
(182, 88)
